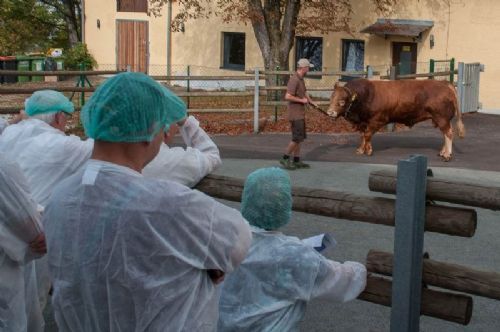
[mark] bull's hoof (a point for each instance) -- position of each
(369, 152)
(360, 151)
(446, 158)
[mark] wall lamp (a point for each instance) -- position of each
(431, 41)
(98, 23)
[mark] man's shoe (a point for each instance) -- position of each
(287, 164)
(300, 164)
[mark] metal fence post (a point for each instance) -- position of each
(392, 73)
(369, 72)
(188, 85)
(431, 68)
(461, 87)
(408, 244)
(452, 70)
(256, 103)
(392, 77)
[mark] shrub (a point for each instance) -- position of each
(79, 54)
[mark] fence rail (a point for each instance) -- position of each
(256, 90)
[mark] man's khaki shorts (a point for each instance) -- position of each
(298, 130)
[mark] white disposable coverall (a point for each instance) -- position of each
(47, 156)
(269, 291)
(3, 124)
(127, 253)
(19, 225)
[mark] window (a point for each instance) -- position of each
(233, 50)
(139, 6)
(353, 57)
(310, 48)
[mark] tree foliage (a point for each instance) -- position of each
(35, 25)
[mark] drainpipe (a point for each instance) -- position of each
(169, 37)
(82, 22)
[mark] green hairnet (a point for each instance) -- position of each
(130, 107)
(48, 101)
(267, 198)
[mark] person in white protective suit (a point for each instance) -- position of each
(47, 155)
(130, 253)
(21, 241)
(271, 288)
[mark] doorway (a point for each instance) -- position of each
(404, 57)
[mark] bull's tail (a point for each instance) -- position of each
(458, 114)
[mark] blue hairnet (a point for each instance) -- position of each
(267, 198)
(130, 107)
(48, 101)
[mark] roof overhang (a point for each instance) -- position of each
(397, 27)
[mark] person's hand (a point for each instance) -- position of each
(304, 101)
(181, 123)
(217, 276)
(38, 245)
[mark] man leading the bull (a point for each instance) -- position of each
(298, 98)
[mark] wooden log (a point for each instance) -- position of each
(342, 205)
(214, 94)
(204, 78)
(444, 275)
(451, 191)
(30, 90)
(451, 307)
(284, 103)
(219, 110)
(59, 73)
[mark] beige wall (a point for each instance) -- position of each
(468, 30)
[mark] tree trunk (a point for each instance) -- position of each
(274, 30)
(71, 10)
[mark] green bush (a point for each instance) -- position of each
(79, 54)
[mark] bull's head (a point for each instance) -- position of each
(340, 101)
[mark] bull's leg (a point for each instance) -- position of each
(448, 143)
(361, 149)
(370, 131)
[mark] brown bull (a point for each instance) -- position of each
(370, 105)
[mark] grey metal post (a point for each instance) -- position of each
(256, 103)
(369, 72)
(460, 86)
(408, 244)
(393, 73)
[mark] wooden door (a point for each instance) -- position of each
(132, 45)
(404, 56)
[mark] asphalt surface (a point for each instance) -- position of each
(478, 150)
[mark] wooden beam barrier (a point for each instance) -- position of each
(376, 210)
(445, 275)
(311, 73)
(450, 191)
(451, 307)
(203, 78)
(213, 94)
(30, 90)
(59, 73)
(284, 103)
(441, 73)
(219, 110)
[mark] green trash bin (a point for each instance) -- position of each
(60, 62)
(37, 64)
(23, 64)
